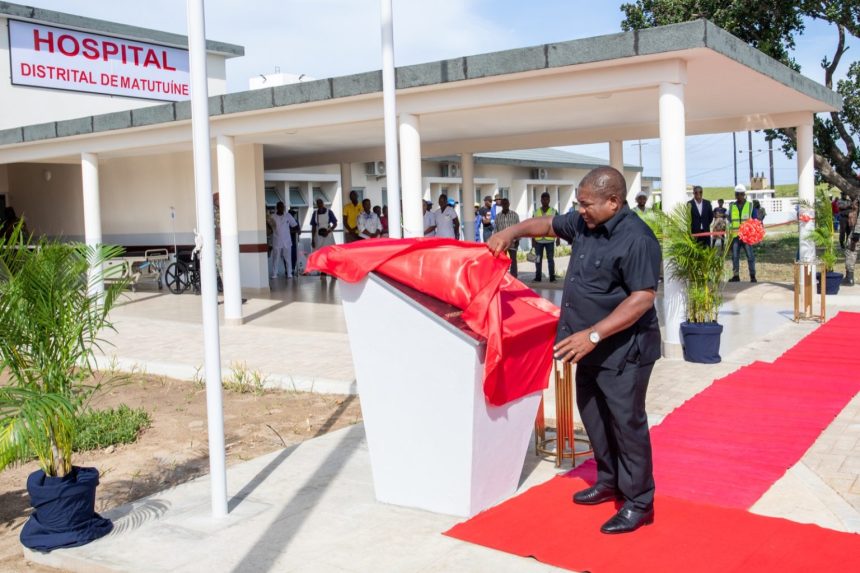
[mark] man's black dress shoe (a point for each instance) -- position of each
(594, 495)
(627, 520)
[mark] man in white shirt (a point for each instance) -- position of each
(369, 225)
(280, 224)
(447, 221)
(429, 219)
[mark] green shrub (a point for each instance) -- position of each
(102, 428)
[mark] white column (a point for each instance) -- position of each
(634, 188)
(616, 155)
(673, 172)
(467, 195)
(805, 184)
(341, 200)
(208, 278)
(392, 172)
(92, 210)
(229, 230)
(410, 169)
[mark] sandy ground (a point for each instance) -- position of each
(174, 449)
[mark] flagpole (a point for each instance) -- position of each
(208, 277)
(389, 109)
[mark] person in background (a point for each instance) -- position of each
(641, 199)
(851, 248)
(429, 220)
(351, 212)
(758, 211)
(701, 216)
(739, 211)
(369, 226)
(281, 222)
(504, 219)
(382, 213)
(323, 224)
(844, 205)
(721, 215)
(545, 244)
(834, 208)
(477, 223)
(447, 221)
(295, 231)
(487, 216)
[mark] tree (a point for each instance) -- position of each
(771, 26)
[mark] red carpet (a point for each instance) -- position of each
(748, 428)
(714, 457)
(686, 537)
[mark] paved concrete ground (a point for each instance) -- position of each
(311, 507)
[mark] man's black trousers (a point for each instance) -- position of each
(612, 406)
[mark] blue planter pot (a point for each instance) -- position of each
(63, 510)
(701, 341)
(831, 282)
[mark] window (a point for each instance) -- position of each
(272, 197)
(359, 191)
(297, 199)
(385, 195)
(320, 194)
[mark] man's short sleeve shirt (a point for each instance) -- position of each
(608, 263)
(351, 213)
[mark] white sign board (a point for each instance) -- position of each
(50, 57)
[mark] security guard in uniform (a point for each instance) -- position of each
(739, 211)
(609, 328)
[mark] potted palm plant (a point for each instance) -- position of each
(701, 269)
(50, 317)
(822, 236)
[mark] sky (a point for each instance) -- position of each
(326, 38)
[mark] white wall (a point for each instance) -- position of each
(24, 105)
(136, 196)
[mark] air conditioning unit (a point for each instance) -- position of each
(376, 168)
(450, 170)
(540, 174)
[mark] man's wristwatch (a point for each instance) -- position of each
(593, 336)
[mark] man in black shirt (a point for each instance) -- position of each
(609, 328)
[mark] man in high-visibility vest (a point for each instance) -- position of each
(545, 244)
(739, 211)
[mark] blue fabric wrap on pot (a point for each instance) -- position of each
(64, 510)
(701, 342)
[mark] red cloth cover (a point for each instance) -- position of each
(518, 325)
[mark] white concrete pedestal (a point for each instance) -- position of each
(435, 443)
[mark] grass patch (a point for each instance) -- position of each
(102, 428)
(244, 380)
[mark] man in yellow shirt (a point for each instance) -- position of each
(351, 212)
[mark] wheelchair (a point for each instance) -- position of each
(184, 274)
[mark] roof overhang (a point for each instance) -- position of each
(583, 91)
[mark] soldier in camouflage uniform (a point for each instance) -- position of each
(851, 244)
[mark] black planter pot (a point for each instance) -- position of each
(831, 282)
(63, 510)
(701, 341)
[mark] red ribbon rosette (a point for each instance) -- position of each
(751, 231)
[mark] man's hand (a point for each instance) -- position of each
(500, 242)
(855, 237)
(574, 347)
